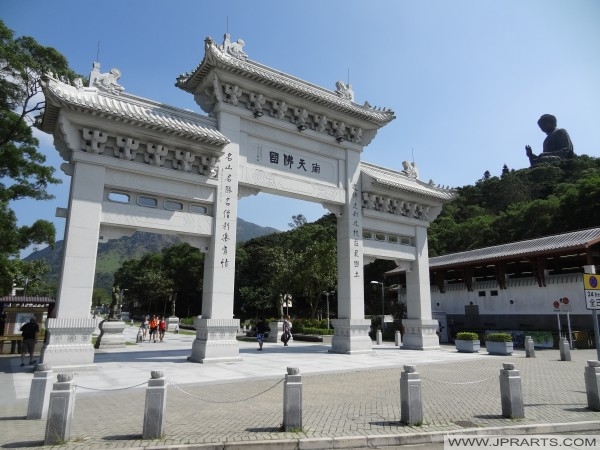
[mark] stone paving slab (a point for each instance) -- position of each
(349, 401)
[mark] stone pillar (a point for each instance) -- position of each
(420, 327)
(69, 333)
(511, 392)
(172, 323)
(565, 349)
(351, 329)
(216, 331)
(378, 337)
(292, 400)
(411, 406)
(156, 404)
(60, 410)
(529, 347)
(39, 394)
(592, 384)
(275, 331)
(398, 338)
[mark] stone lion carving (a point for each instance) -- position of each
(106, 81)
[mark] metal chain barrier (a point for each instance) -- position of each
(109, 389)
(210, 400)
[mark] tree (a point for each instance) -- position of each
(22, 168)
(297, 221)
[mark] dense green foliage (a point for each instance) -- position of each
(498, 337)
(467, 336)
(22, 170)
(521, 204)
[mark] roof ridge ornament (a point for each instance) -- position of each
(106, 81)
(344, 90)
(233, 48)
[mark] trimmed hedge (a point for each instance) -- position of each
(467, 336)
(499, 337)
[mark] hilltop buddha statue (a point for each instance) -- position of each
(557, 145)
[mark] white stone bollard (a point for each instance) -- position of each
(39, 394)
(60, 410)
(398, 339)
(379, 337)
(156, 404)
(411, 406)
(292, 400)
(565, 349)
(511, 392)
(592, 384)
(529, 347)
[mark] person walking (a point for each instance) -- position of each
(162, 328)
(30, 332)
(261, 329)
(287, 330)
(153, 329)
(145, 327)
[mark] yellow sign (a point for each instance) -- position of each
(591, 282)
(591, 289)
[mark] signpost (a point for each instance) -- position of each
(563, 305)
(591, 289)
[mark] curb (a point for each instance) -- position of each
(365, 442)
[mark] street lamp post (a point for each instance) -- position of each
(327, 293)
(382, 305)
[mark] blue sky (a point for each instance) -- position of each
(467, 79)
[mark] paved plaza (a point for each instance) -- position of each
(349, 401)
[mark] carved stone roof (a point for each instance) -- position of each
(129, 109)
(217, 58)
(573, 241)
(403, 182)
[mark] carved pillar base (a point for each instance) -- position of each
(172, 323)
(420, 335)
(351, 336)
(111, 334)
(275, 331)
(215, 341)
(69, 343)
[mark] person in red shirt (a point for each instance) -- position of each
(153, 328)
(162, 328)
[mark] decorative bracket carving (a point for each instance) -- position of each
(93, 141)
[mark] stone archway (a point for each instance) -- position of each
(265, 132)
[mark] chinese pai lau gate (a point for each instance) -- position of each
(139, 165)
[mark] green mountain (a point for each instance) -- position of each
(112, 254)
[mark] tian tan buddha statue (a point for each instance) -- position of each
(557, 144)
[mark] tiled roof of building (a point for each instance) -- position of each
(130, 109)
(401, 181)
(575, 240)
(216, 57)
(34, 300)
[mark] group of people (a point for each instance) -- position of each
(152, 328)
(262, 328)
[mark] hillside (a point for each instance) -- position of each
(113, 253)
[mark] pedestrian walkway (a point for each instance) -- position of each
(350, 401)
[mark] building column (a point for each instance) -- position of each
(351, 330)
(420, 328)
(68, 335)
(216, 330)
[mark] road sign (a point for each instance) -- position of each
(562, 305)
(591, 288)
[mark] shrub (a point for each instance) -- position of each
(321, 331)
(467, 336)
(499, 337)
